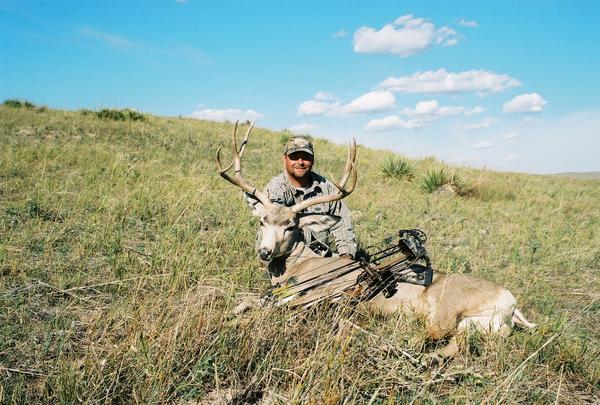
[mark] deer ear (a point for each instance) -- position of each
(256, 207)
(318, 222)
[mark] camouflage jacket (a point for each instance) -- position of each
(281, 191)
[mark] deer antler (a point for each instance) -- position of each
(349, 171)
(238, 180)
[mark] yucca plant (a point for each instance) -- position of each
(438, 179)
(397, 168)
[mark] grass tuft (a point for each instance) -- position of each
(439, 181)
(395, 167)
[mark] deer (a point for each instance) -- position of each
(451, 304)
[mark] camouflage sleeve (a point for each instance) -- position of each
(278, 192)
(343, 231)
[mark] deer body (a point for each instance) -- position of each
(452, 303)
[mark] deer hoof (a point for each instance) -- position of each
(432, 360)
(243, 307)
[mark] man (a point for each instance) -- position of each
(298, 183)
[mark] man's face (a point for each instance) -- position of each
(298, 164)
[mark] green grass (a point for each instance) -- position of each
(122, 252)
(395, 167)
(438, 180)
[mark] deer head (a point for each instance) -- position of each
(281, 226)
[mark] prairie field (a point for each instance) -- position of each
(122, 253)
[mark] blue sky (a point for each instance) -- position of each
(507, 85)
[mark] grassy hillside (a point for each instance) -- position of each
(576, 175)
(121, 253)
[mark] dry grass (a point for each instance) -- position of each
(121, 253)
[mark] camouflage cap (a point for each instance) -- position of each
(298, 144)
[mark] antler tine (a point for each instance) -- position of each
(237, 159)
(219, 167)
(245, 141)
(342, 186)
(349, 164)
(238, 180)
(349, 171)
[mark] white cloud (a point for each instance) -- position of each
(465, 23)
(473, 111)
(394, 122)
(113, 40)
(370, 102)
(324, 96)
(422, 108)
(187, 52)
(148, 52)
(340, 34)
(544, 148)
(525, 103)
(326, 104)
(404, 37)
(540, 146)
(432, 107)
(441, 81)
(483, 145)
(303, 128)
(316, 107)
(510, 136)
(465, 160)
(228, 114)
(448, 111)
(483, 124)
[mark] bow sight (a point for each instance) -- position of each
(390, 262)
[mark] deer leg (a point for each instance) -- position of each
(440, 326)
(450, 349)
(437, 329)
(443, 354)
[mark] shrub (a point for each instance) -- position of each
(437, 180)
(135, 115)
(120, 115)
(397, 168)
(107, 113)
(19, 104)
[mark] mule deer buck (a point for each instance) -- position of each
(450, 304)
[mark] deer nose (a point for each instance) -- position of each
(264, 253)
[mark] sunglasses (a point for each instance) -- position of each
(300, 155)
